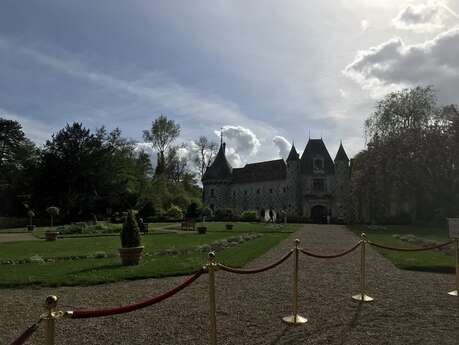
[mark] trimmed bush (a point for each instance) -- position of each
(249, 215)
(130, 235)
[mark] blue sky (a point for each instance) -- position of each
(262, 70)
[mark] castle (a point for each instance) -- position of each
(313, 187)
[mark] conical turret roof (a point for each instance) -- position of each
(341, 154)
(220, 169)
(293, 155)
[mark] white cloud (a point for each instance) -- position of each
(242, 139)
(282, 145)
(394, 65)
(364, 25)
(427, 17)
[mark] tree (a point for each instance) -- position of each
(162, 134)
(409, 164)
(205, 155)
(18, 160)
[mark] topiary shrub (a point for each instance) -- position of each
(193, 211)
(249, 215)
(130, 235)
(53, 211)
(174, 213)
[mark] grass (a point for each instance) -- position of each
(430, 261)
(97, 271)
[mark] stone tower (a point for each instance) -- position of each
(342, 186)
(293, 182)
(217, 182)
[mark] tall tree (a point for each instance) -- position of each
(206, 151)
(18, 159)
(162, 135)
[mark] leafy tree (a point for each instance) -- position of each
(409, 164)
(162, 135)
(174, 213)
(18, 160)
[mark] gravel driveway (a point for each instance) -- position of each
(409, 307)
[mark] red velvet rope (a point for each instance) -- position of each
(26, 334)
(322, 256)
(255, 270)
(411, 249)
(83, 314)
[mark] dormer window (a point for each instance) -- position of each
(212, 193)
(318, 164)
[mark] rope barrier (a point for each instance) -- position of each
(83, 314)
(27, 333)
(411, 249)
(255, 270)
(333, 256)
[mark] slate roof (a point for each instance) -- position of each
(315, 148)
(220, 169)
(263, 171)
(293, 155)
(341, 154)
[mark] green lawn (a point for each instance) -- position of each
(95, 271)
(431, 260)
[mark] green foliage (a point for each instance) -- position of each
(206, 212)
(193, 211)
(226, 214)
(409, 169)
(174, 213)
(249, 215)
(53, 211)
(130, 235)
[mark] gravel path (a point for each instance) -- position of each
(409, 307)
(20, 236)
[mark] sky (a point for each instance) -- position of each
(268, 72)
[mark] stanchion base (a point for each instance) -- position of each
(363, 298)
(298, 320)
(453, 293)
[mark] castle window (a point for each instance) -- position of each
(258, 191)
(318, 185)
(271, 190)
(245, 192)
(318, 165)
(212, 192)
(284, 189)
(234, 193)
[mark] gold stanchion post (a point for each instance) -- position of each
(50, 305)
(295, 318)
(211, 265)
(362, 296)
(456, 292)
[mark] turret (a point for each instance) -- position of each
(216, 181)
(293, 182)
(342, 185)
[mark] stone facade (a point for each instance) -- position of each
(313, 187)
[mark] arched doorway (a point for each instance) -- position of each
(319, 214)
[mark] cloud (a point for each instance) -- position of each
(242, 139)
(426, 17)
(364, 25)
(282, 145)
(393, 65)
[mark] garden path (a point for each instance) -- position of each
(409, 307)
(20, 236)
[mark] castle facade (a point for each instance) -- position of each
(312, 186)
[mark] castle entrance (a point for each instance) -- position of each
(319, 214)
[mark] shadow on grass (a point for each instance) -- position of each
(430, 269)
